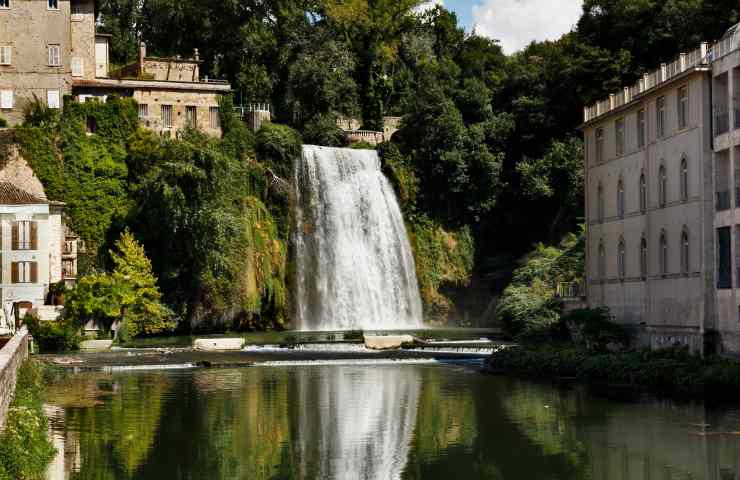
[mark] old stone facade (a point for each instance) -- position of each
(49, 49)
(661, 193)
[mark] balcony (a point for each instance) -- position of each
(723, 200)
(721, 121)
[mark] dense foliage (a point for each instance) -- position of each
(25, 448)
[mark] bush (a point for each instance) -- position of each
(57, 336)
(3, 122)
(593, 328)
(324, 131)
(25, 448)
(277, 146)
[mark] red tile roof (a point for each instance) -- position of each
(12, 195)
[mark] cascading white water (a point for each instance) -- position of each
(354, 265)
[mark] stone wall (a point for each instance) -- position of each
(179, 100)
(11, 358)
(14, 168)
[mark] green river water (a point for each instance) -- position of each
(399, 421)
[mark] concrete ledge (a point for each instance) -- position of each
(218, 344)
(95, 345)
(387, 342)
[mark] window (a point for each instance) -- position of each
(4, 4)
(663, 249)
(6, 54)
(724, 269)
(143, 110)
(53, 4)
(620, 198)
(599, 145)
(191, 116)
(662, 186)
(24, 235)
(52, 98)
(683, 107)
(55, 56)
(621, 264)
(602, 261)
(641, 129)
(660, 116)
(214, 118)
(6, 99)
(76, 11)
(167, 116)
(600, 203)
(24, 272)
(619, 136)
(78, 67)
(643, 193)
(685, 250)
(684, 179)
(643, 258)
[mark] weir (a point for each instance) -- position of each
(354, 265)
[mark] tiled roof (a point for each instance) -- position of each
(12, 195)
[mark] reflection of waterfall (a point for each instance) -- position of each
(360, 422)
(355, 269)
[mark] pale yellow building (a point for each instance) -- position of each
(661, 192)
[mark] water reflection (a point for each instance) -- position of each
(381, 422)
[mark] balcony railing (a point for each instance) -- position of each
(721, 121)
(571, 290)
(723, 200)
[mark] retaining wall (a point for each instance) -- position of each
(11, 358)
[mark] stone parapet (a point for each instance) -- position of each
(11, 358)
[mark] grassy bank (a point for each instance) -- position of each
(668, 370)
(25, 448)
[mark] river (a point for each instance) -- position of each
(396, 421)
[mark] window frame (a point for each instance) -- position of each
(643, 193)
(49, 97)
(76, 16)
(601, 266)
(600, 203)
(6, 58)
(660, 116)
(682, 110)
(25, 270)
(643, 257)
(6, 5)
(684, 178)
(24, 236)
(641, 128)
(662, 186)
(191, 116)
(663, 251)
(621, 259)
(599, 144)
(4, 95)
(214, 118)
(143, 111)
(54, 58)
(620, 198)
(166, 108)
(619, 137)
(52, 5)
(78, 67)
(685, 250)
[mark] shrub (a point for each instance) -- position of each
(278, 146)
(57, 336)
(3, 122)
(323, 130)
(25, 449)
(593, 328)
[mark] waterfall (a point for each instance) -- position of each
(354, 266)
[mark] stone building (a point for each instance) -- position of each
(37, 249)
(50, 49)
(660, 163)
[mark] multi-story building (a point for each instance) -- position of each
(660, 208)
(50, 49)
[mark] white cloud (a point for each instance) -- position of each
(517, 22)
(428, 4)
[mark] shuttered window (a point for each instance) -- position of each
(55, 56)
(6, 99)
(25, 235)
(6, 55)
(191, 116)
(52, 99)
(167, 116)
(78, 67)
(215, 120)
(24, 272)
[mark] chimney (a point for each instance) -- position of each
(196, 55)
(142, 56)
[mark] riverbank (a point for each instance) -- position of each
(671, 370)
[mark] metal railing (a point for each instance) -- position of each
(723, 200)
(570, 290)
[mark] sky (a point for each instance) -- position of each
(515, 23)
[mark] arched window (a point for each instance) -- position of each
(620, 198)
(643, 193)
(684, 179)
(643, 257)
(621, 260)
(662, 186)
(663, 249)
(685, 250)
(600, 203)
(602, 261)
